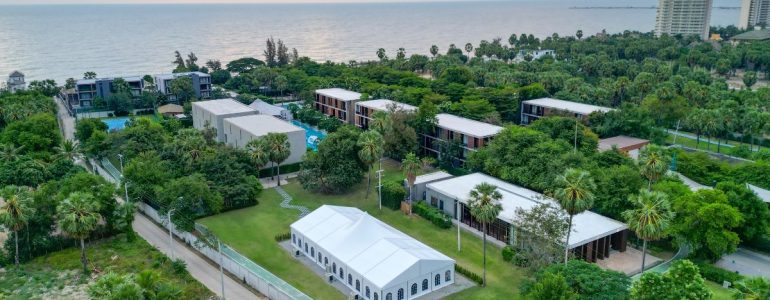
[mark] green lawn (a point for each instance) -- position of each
(704, 145)
(720, 293)
(59, 276)
(251, 231)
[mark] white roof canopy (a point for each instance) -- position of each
(260, 125)
(385, 104)
(223, 106)
(381, 254)
(338, 93)
(467, 126)
(586, 227)
(581, 108)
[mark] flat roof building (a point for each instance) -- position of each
(631, 146)
(214, 112)
(201, 83)
(531, 110)
(685, 17)
(239, 131)
(265, 108)
(338, 103)
(365, 109)
(470, 134)
(418, 189)
(371, 258)
(751, 36)
(592, 237)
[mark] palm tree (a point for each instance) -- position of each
(469, 49)
(434, 51)
(650, 217)
(279, 149)
(575, 194)
(9, 152)
(410, 165)
(754, 288)
(711, 124)
(653, 164)
(371, 151)
(381, 123)
(485, 205)
(15, 213)
(78, 217)
(124, 217)
(259, 154)
(68, 149)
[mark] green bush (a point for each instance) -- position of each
(179, 266)
(282, 237)
(285, 169)
(508, 253)
(468, 274)
(432, 214)
(392, 194)
(718, 275)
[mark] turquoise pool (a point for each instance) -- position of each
(313, 136)
(116, 123)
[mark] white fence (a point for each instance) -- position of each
(249, 272)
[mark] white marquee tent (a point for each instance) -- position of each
(374, 260)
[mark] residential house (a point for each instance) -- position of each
(16, 82)
(87, 90)
(201, 83)
(213, 113)
(365, 110)
(629, 145)
(338, 103)
(685, 17)
(532, 110)
(470, 135)
(239, 131)
(265, 108)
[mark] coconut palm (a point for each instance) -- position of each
(9, 152)
(650, 217)
(78, 216)
(575, 194)
(258, 152)
(411, 165)
(68, 149)
(279, 149)
(15, 212)
(653, 164)
(381, 123)
(371, 151)
(485, 205)
(124, 217)
(469, 49)
(189, 144)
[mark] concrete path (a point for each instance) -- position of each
(746, 262)
(694, 186)
(286, 203)
(66, 122)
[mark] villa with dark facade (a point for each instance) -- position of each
(471, 135)
(365, 109)
(338, 103)
(531, 110)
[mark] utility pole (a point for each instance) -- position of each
(125, 187)
(120, 156)
(170, 234)
(576, 130)
(676, 132)
(379, 186)
(458, 213)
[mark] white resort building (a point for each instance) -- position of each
(239, 131)
(214, 113)
(374, 260)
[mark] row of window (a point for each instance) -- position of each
(367, 292)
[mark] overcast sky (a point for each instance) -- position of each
(17, 2)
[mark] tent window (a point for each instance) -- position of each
(368, 293)
(437, 281)
(400, 294)
(389, 296)
(358, 285)
(350, 280)
(447, 276)
(293, 238)
(424, 284)
(299, 242)
(414, 289)
(312, 251)
(334, 267)
(305, 247)
(376, 297)
(319, 256)
(342, 274)
(326, 260)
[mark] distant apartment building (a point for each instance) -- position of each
(470, 134)
(338, 103)
(201, 83)
(685, 17)
(16, 82)
(754, 13)
(365, 110)
(531, 110)
(86, 90)
(213, 113)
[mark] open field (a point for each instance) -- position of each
(252, 230)
(59, 276)
(720, 293)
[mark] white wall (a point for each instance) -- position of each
(238, 138)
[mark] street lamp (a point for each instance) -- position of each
(170, 234)
(379, 186)
(125, 188)
(120, 156)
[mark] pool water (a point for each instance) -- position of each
(116, 123)
(313, 136)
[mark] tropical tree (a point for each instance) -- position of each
(10, 152)
(410, 165)
(381, 54)
(279, 149)
(485, 205)
(382, 123)
(749, 79)
(469, 49)
(16, 212)
(551, 287)
(755, 288)
(575, 194)
(653, 163)
(68, 149)
(259, 154)
(124, 217)
(434, 51)
(650, 218)
(371, 151)
(78, 217)
(579, 34)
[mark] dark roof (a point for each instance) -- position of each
(16, 74)
(754, 35)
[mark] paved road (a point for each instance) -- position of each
(694, 186)
(746, 262)
(66, 122)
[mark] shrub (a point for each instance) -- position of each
(468, 274)
(432, 214)
(285, 169)
(179, 266)
(718, 275)
(392, 194)
(508, 253)
(282, 237)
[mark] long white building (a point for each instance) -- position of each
(373, 259)
(754, 13)
(686, 17)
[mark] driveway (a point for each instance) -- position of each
(746, 262)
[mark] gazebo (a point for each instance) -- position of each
(171, 110)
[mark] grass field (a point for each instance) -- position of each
(720, 293)
(59, 276)
(252, 230)
(704, 145)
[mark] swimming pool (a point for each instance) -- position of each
(313, 136)
(116, 123)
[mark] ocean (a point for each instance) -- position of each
(62, 41)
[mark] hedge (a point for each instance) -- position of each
(432, 214)
(508, 253)
(392, 194)
(717, 274)
(285, 169)
(470, 275)
(282, 236)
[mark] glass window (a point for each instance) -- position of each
(447, 276)
(342, 274)
(358, 285)
(367, 292)
(400, 294)
(334, 267)
(312, 251)
(293, 238)
(350, 280)
(414, 288)
(424, 284)
(389, 296)
(376, 297)
(305, 247)
(326, 260)
(437, 281)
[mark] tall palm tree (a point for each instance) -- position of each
(68, 149)
(575, 194)
(650, 217)
(279, 149)
(259, 154)
(124, 217)
(485, 205)
(411, 165)
(371, 151)
(16, 211)
(78, 216)
(381, 123)
(653, 164)
(711, 124)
